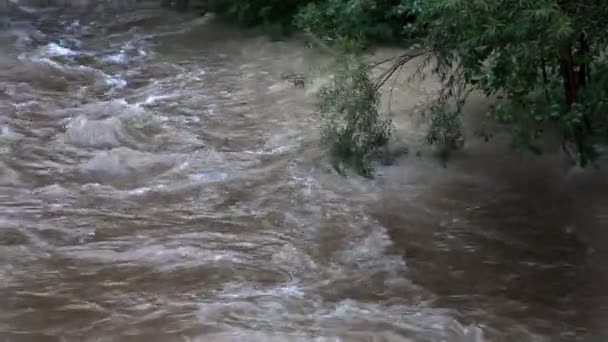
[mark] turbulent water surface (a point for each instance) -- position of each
(160, 180)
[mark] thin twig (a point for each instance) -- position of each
(401, 61)
(384, 61)
(390, 95)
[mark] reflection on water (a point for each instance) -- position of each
(160, 181)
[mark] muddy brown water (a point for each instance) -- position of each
(161, 181)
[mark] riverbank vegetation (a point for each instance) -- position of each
(354, 128)
(544, 60)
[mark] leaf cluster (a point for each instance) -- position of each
(354, 128)
(546, 58)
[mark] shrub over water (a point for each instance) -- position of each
(354, 129)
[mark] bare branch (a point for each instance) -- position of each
(397, 65)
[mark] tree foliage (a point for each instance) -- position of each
(354, 126)
(545, 57)
(371, 21)
(260, 12)
(368, 20)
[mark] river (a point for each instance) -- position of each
(161, 181)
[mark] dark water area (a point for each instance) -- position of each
(160, 180)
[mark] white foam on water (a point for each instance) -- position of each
(75, 24)
(458, 333)
(209, 176)
(105, 133)
(70, 41)
(152, 99)
(115, 81)
(145, 190)
(23, 8)
(118, 58)
(55, 50)
(42, 60)
(291, 291)
(8, 133)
